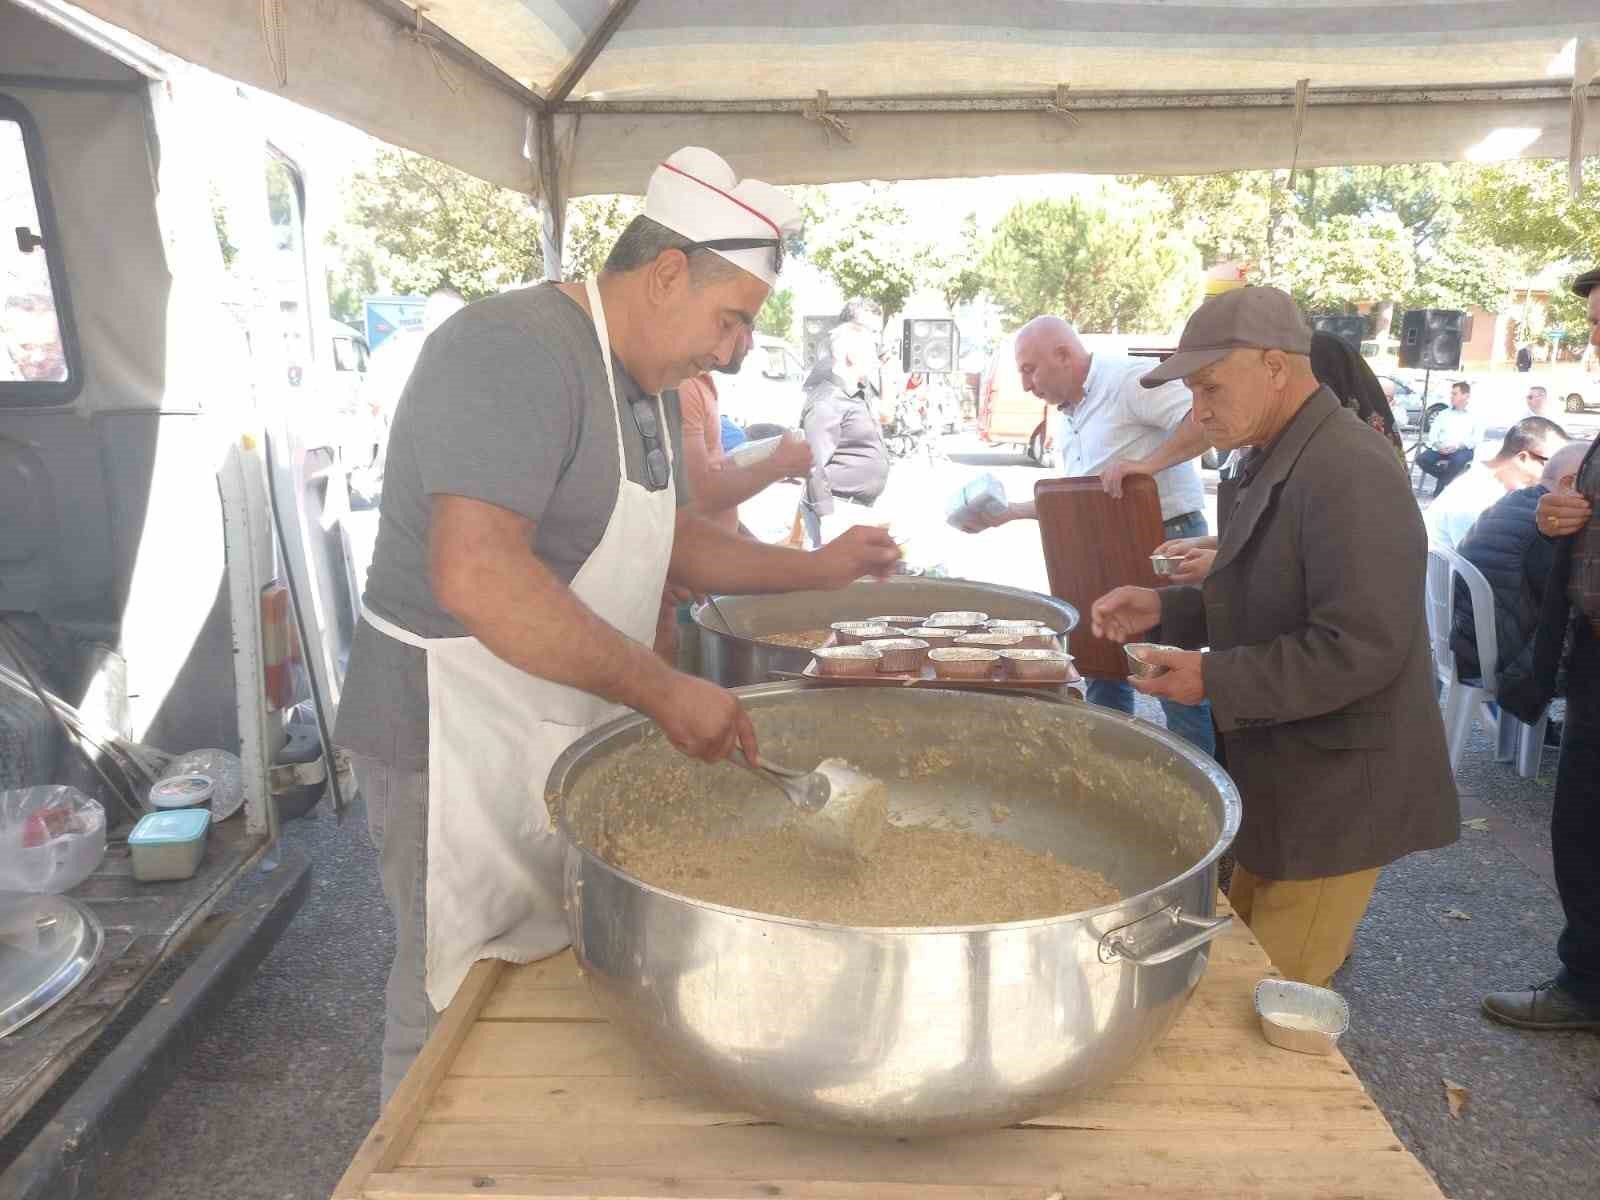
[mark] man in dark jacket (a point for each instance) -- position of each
(1569, 635)
(850, 463)
(1506, 547)
(1319, 669)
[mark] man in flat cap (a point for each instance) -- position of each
(1319, 669)
(1569, 636)
(532, 515)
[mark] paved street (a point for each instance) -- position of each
(282, 1088)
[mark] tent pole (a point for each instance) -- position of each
(552, 196)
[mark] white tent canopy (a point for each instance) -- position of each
(568, 97)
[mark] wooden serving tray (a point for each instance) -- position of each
(1092, 544)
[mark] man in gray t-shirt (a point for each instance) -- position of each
(531, 518)
(508, 404)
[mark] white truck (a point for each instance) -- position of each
(173, 560)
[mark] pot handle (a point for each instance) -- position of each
(1125, 943)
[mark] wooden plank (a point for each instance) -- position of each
(1130, 1159)
(660, 1100)
(461, 1185)
(1092, 544)
(398, 1121)
(457, 1185)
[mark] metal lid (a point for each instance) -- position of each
(48, 944)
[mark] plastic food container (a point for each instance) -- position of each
(169, 845)
(1137, 666)
(192, 790)
(847, 660)
(964, 662)
(1037, 665)
(901, 656)
(226, 772)
(750, 453)
(1299, 1017)
(853, 633)
(979, 501)
(51, 838)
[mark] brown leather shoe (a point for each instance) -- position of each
(1546, 1005)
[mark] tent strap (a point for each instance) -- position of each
(817, 110)
(1585, 69)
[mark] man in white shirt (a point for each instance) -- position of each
(1108, 418)
(1520, 463)
(1539, 401)
(1452, 439)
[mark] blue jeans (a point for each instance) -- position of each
(1191, 721)
(1186, 525)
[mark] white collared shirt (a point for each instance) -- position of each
(1453, 427)
(1119, 419)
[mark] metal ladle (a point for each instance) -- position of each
(807, 790)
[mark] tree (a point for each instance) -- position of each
(1454, 271)
(414, 224)
(593, 226)
(1524, 206)
(1105, 264)
(959, 276)
(776, 318)
(868, 252)
(1346, 260)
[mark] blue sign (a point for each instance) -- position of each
(389, 314)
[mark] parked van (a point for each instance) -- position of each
(173, 570)
(1010, 416)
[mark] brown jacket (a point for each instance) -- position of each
(1320, 675)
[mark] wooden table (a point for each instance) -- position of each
(525, 1091)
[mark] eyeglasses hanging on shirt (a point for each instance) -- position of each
(658, 471)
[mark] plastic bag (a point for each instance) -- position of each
(981, 499)
(51, 839)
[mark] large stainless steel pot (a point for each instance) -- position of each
(919, 1030)
(735, 657)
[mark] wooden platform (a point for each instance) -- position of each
(523, 1091)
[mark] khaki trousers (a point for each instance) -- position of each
(1306, 926)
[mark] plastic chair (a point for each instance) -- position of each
(1465, 703)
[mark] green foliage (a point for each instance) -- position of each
(1345, 261)
(414, 224)
(868, 252)
(776, 318)
(1524, 206)
(593, 226)
(1105, 264)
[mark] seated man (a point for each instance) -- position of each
(1451, 439)
(1506, 546)
(1520, 461)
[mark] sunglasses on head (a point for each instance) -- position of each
(774, 244)
(658, 471)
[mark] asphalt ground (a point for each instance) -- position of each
(281, 1087)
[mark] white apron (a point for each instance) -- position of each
(494, 884)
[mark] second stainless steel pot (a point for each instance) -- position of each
(737, 657)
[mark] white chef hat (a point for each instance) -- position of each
(696, 193)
